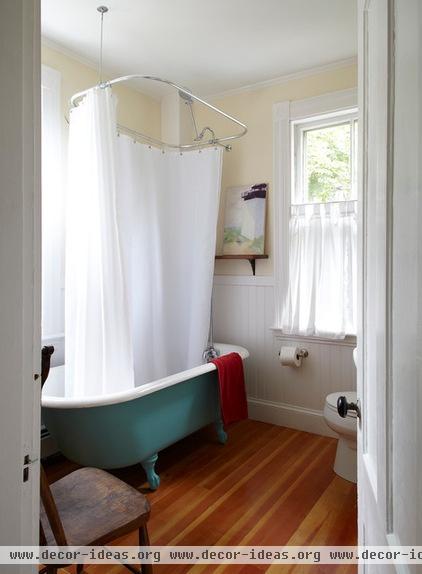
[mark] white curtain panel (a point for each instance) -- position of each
(321, 298)
(52, 206)
(168, 209)
(98, 342)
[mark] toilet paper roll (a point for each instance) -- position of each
(289, 356)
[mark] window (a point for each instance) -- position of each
(325, 160)
(52, 206)
(317, 213)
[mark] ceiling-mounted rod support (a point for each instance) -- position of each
(102, 10)
(188, 102)
(185, 94)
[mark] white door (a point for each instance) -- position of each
(390, 317)
(20, 324)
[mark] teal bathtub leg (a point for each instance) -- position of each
(221, 433)
(149, 467)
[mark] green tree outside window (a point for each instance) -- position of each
(328, 163)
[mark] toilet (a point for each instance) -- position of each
(345, 464)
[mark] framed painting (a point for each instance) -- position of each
(244, 220)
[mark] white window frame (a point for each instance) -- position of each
(51, 80)
(286, 115)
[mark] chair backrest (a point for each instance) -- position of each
(46, 353)
(46, 494)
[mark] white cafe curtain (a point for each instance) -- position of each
(321, 298)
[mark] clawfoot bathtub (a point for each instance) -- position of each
(129, 427)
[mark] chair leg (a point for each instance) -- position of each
(79, 568)
(51, 569)
(144, 541)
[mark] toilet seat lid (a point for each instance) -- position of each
(351, 397)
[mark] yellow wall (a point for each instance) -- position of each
(251, 160)
(135, 110)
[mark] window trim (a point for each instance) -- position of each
(285, 115)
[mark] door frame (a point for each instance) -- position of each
(370, 479)
(20, 280)
(377, 483)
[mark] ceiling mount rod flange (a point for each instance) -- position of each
(102, 10)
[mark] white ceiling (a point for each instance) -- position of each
(207, 45)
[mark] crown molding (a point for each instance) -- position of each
(69, 53)
(88, 63)
(279, 80)
(284, 79)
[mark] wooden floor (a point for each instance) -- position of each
(267, 486)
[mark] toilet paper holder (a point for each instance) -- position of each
(303, 353)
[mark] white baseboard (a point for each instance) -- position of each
(290, 416)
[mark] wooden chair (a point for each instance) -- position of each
(89, 507)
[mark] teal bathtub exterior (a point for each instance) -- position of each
(134, 431)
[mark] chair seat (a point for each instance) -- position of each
(95, 508)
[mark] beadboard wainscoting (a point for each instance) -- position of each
(292, 397)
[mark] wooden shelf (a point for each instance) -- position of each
(251, 258)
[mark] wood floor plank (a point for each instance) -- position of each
(227, 461)
(263, 491)
(194, 512)
(327, 519)
(268, 486)
(272, 528)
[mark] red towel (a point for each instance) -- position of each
(232, 388)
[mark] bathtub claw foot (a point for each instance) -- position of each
(149, 466)
(221, 433)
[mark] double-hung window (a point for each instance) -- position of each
(319, 294)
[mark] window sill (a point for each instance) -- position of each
(348, 341)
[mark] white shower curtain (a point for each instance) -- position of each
(98, 344)
(140, 245)
(168, 208)
(321, 298)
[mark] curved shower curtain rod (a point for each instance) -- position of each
(186, 95)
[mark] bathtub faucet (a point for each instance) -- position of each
(210, 353)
